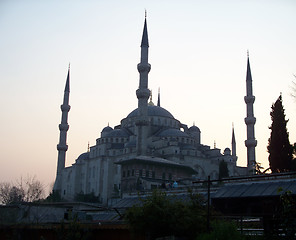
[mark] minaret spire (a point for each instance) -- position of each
(62, 147)
(233, 143)
(250, 121)
(143, 94)
(158, 99)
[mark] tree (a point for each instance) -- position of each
(10, 194)
(223, 170)
(160, 215)
(279, 147)
(28, 190)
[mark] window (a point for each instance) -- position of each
(163, 176)
(147, 173)
(123, 174)
(128, 173)
(133, 172)
(153, 175)
(170, 176)
(141, 173)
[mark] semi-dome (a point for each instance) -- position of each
(172, 133)
(153, 111)
(83, 156)
(117, 133)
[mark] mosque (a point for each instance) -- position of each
(148, 149)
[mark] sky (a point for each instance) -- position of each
(198, 56)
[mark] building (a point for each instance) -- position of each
(149, 147)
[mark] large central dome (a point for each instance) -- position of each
(153, 111)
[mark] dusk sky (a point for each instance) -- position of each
(198, 56)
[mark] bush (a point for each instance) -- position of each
(222, 230)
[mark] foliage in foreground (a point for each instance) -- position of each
(222, 230)
(25, 190)
(279, 147)
(73, 231)
(160, 215)
(285, 216)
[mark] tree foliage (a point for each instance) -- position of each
(160, 215)
(27, 190)
(279, 147)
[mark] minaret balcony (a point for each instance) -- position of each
(62, 147)
(251, 143)
(249, 99)
(250, 120)
(65, 108)
(143, 93)
(63, 127)
(144, 67)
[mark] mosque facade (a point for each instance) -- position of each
(148, 149)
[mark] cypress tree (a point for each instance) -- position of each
(279, 147)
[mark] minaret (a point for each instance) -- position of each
(143, 94)
(158, 99)
(62, 147)
(250, 120)
(233, 143)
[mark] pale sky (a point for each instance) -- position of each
(198, 56)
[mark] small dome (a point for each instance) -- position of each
(83, 156)
(107, 129)
(227, 151)
(194, 129)
(117, 133)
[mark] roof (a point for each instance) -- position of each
(107, 129)
(257, 189)
(117, 133)
(153, 111)
(172, 132)
(83, 156)
(154, 160)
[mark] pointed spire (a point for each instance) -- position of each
(158, 99)
(233, 143)
(233, 135)
(144, 42)
(249, 75)
(67, 86)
